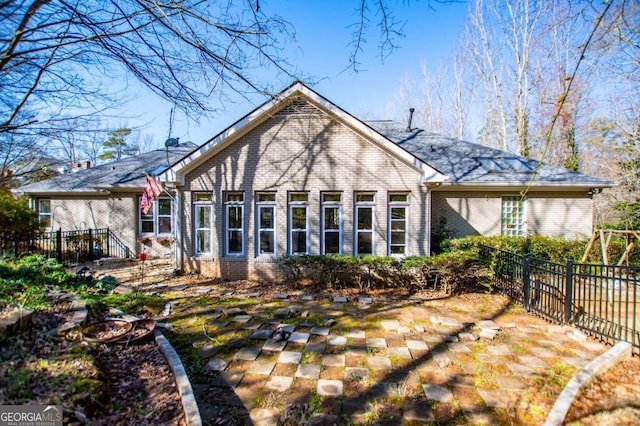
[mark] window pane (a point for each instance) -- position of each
(266, 197)
(398, 238)
(331, 198)
(235, 217)
(203, 217)
(299, 242)
(299, 218)
(397, 249)
(146, 226)
(331, 218)
(44, 206)
(362, 198)
(365, 245)
(235, 241)
(202, 196)
(164, 207)
(267, 245)
(203, 241)
(365, 218)
(398, 198)
(398, 225)
(298, 197)
(266, 218)
(164, 225)
(398, 213)
(332, 242)
(236, 197)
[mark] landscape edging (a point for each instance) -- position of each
(191, 411)
(620, 351)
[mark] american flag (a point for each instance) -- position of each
(151, 192)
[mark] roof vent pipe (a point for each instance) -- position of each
(411, 111)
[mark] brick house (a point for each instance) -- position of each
(299, 175)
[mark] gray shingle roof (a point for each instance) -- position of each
(467, 163)
(127, 173)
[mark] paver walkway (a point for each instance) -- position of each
(379, 361)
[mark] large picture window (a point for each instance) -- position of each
(159, 219)
(234, 221)
(398, 228)
(298, 223)
(331, 223)
(513, 214)
(202, 211)
(266, 220)
(365, 221)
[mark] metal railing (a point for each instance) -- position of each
(601, 300)
(68, 247)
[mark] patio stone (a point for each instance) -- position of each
(419, 328)
(459, 347)
(228, 379)
(290, 357)
(308, 371)
(489, 358)
(306, 297)
(356, 407)
(448, 321)
(216, 364)
(286, 327)
(437, 393)
(488, 324)
(356, 351)
(298, 337)
(336, 340)
(390, 325)
(533, 361)
(278, 384)
(384, 389)
(247, 354)
(403, 330)
(521, 370)
(356, 373)
(379, 363)
(261, 334)
(340, 299)
(443, 360)
(318, 348)
(321, 331)
(477, 415)
(542, 352)
(241, 318)
(399, 352)
(333, 360)
(417, 345)
(510, 382)
(416, 411)
(576, 361)
(274, 345)
(356, 334)
(467, 337)
(330, 387)
(376, 342)
(208, 351)
(263, 368)
(365, 300)
(488, 334)
(495, 398)
(281, 296)
(264, 416)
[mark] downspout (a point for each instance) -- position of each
(179, 236)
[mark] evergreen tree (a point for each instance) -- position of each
(116, 146)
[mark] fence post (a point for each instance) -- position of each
(526, 280)
(568, 294)
(59, 245)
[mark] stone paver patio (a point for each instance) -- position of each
(422, 360)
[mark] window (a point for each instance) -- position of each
(159, 219)
(298, 223)
(202, 211)
(331, 223)
(513, 224)
(44, 212)
(398, 228)
(365, 243)
(234, 235)
(266, 211)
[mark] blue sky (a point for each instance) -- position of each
(323, 51)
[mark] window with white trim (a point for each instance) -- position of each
(365, 221)
(298, 223)
(159, 219)
(203, 208)
(266, 221)
(234, 223)
(44, 212)
(331, 223)
(513, 216)
(398, 229)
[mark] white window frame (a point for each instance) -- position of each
(329, 204)
(298, 204)
(361, 205)
(198, 207)
(398, 204)
(44, 217)
(154, 216)
(228, 205)
(266, 201)
(514, 214)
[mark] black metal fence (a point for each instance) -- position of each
(602, 300)
(69, 247)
